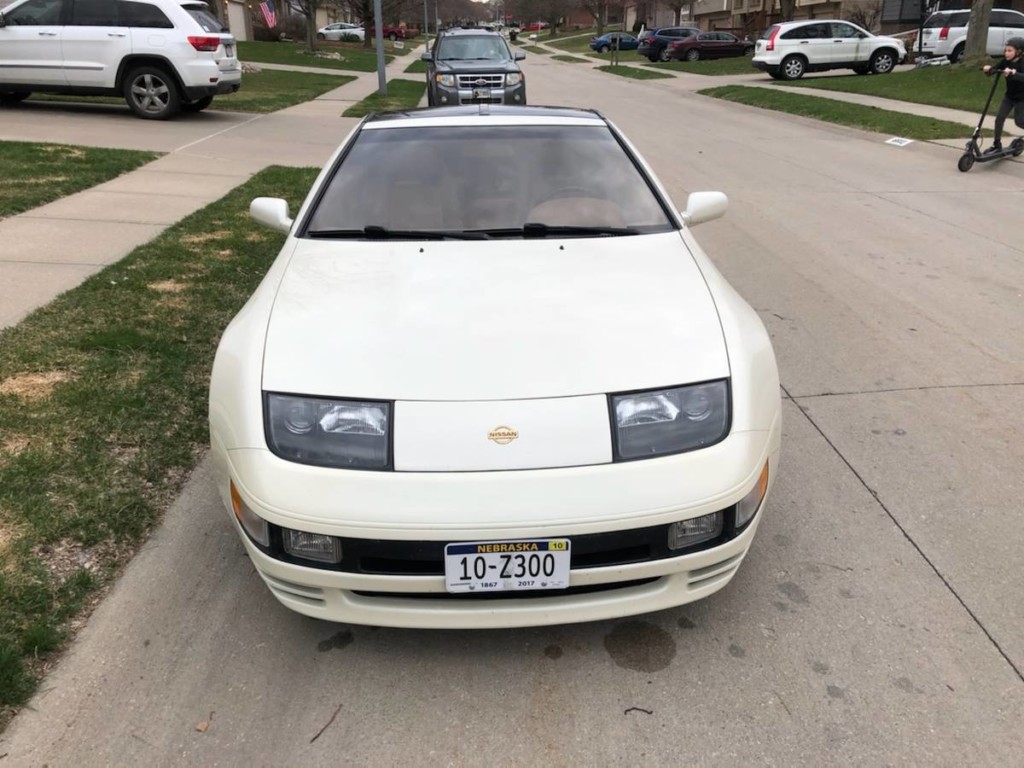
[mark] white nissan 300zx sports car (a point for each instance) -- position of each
(491, 380)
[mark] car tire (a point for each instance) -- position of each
(775, 76)
(663, 54)
(198, 105)
(321, 36)
(793, 67)
(604, 49)
(13, 97)
(957, 54)
(151, 93)
(883, 62)
(861, 69)
(693, 55)
(652, 59)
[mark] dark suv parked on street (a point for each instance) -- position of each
(473, 66)
(654, 42)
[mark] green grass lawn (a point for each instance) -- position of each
(737, 65)
(536, 49)
(417, 67)
(350, 56)
(265, 91)
(103, 414)
(570, 59)
(402, 94)
(34, 174)
(956, 87)
(635, 73)
(841, 112)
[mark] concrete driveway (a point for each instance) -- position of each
(877, 619)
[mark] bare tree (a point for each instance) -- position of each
(977, 32)
(308, 9)
(786, 8)
(866, 14)
(363, 10)
(599, 10)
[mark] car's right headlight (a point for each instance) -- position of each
(665, 421)
(325, 432)
(445, 80)
(513, 78)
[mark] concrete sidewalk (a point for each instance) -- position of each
(53, 248)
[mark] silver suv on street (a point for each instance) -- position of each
(473, 66)
(945, 32)
(161, 56)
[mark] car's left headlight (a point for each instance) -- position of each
(446, 80)
(513, 78)
(329, 433)
(665, 421)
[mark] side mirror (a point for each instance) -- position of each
(425, 56)
(520, 55)
(704, 206)
(271, 212)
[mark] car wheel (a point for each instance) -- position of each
(604, 49)
(861, 69)
(663, 54)
(883, 62)
(793, 67)
(966, 162)
(13, 97)
(775, 75)
(392, 37)
(693, 55)
(198, 105)
(956, 55)
(321, 36)
(151, 93)
(652, 58)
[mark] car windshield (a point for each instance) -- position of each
(488, 48)
(487, 181)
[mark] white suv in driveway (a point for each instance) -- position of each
(945, 32)
(786, 51)
(161, 56)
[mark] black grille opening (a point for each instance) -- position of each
(535, 594)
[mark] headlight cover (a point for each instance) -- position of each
(446, 80)
(513, 78)
(661, 422)
(348, 434)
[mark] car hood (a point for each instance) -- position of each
(508, 319)
(469, 67)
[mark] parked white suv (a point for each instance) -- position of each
(945, 32)
(786, 51)
(161, 56)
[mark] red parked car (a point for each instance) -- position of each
(709, 45)
(535, 26)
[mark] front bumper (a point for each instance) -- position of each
(452, 96)
(433, 508)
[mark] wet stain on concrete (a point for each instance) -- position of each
(337, 640)
(820, 667)
(835, 692)
(784, 607)
(846, 593)
(737, 651)
(906, 684)
(793, 592)
(640, 646)
(553, 651)
(685, 623)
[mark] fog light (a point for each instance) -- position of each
(312, 546)
(686, 533)
(253, 524)
(749, 504)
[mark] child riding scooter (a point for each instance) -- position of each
(1012, 70)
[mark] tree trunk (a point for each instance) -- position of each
(977, 34)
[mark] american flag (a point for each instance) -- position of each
(269, 15)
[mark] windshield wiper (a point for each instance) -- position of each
(374, 232)
(536, 229)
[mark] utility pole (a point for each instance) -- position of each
(378, 34)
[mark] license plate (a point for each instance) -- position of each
(506, 566)
(481, 93)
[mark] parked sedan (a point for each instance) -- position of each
(340, 29)
(709, 45)
(606, 42)
(470, 395)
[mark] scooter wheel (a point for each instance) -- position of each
(1017, 147)
(966, 162)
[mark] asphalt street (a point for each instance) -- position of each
(878, 618)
